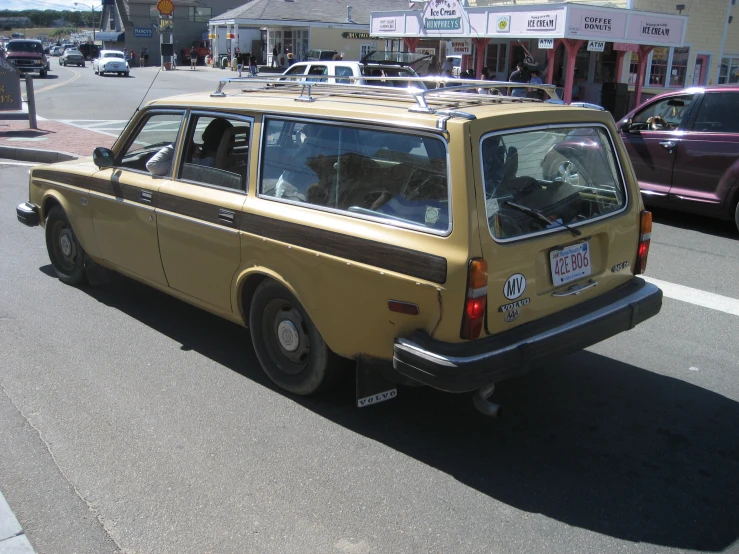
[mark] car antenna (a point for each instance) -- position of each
(142, 101)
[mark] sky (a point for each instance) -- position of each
(42, 4)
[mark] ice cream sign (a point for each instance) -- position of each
(541, 22)
(443, 15)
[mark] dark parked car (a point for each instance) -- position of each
(684, 146)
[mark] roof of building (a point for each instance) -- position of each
(325, 11)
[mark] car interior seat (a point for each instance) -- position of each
(233, 150)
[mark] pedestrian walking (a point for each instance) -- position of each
(518, 76)
(253, 64)
(290, 59)
(146, 56)
(142, 58)
(193, 58)
(447, 67)
(174, 60)
(240, 61)
(133, 58)
(274, 56)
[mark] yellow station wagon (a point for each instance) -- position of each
(445, 237)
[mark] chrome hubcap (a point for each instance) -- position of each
(568, 173)
(66, 243)
(288, 336)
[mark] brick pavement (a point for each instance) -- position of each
(51, 136)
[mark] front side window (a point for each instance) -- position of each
(370, 71)
(399, 178)
(537, 181)
(718, 114)
(664, 115)
(216, 151)
(317, 73)
(342, 71)
(157, 136)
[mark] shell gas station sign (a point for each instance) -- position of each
(165, 7)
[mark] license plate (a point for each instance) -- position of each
(571, 263)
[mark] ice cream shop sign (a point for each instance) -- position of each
(443, 15)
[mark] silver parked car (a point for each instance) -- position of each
(72, 57)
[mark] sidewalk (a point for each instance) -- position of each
(19, 142)
(12, 538)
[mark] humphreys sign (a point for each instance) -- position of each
(443, 15)
(10, 87)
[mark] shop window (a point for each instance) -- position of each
(154, 13)
(679, 67)
(582, 62)
(633, 68)
(200, 14)
(729, 71)
(658, 72)
(496, 58)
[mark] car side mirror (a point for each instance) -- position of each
(103, 157)
(626, 125)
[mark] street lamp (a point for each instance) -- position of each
(92, 21)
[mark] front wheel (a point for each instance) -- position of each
(127, 74)
(82, 65)
(42, 73)
(65, 252)
(287, 343)
(736, 215)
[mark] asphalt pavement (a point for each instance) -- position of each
(132, 422)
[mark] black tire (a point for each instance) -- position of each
(310, 366)
(42, 73)
(82, 65)
(736, 215)
(65, 252)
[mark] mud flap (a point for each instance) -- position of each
(372, 386)
(96, 275)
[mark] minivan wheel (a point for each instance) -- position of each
(65, 252)
(287, 343)
(736, 215)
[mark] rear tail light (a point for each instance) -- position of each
(475, 301)
(644, 238)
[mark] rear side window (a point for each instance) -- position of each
(537, 180)
(396, 177)
(343, 71)
(718, 114)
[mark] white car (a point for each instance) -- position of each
(111, 61)
(352, 72)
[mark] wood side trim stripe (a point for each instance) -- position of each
(378, 254)
(195, 209)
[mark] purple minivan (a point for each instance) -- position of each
(684, 146)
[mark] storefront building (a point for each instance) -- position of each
(297, 27)
(669, 47)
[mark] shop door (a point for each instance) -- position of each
(701, 70)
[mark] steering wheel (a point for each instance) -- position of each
(657, 123)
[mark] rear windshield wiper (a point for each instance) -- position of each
(536, 214)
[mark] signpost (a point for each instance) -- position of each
(11, 101)
(166, 26)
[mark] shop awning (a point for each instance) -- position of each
(569, 21)
(111, 36)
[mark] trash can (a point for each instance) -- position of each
(614, 97)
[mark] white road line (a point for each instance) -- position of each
(698, 297)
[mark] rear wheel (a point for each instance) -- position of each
(42, 73)
(65, 252)
(288, 344)
(736, 215)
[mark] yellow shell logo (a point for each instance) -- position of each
(502, 24)
(165, 7)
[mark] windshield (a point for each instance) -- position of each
(25, 47)
(113, 55)
(540, 181)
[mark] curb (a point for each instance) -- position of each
(34, 155)
(12, 538)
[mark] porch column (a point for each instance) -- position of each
(619, 65)
(644, 52)
(571, 47)
(411, 43)
(551, 54)
(481, 45)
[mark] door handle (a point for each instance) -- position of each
(668, 144)
(227, 216)
(146, 196)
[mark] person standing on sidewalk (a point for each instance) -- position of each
(193, 58)
(174, 60)
(253, 64)
(142, 58)
(133, 58)
(146, 56)
(274, 56)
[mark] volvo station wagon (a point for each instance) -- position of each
(428, 237)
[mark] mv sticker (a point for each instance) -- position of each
(514, 286)
(377, 398)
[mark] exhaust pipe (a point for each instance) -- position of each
(483, 405)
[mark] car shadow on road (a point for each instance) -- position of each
(692, 222)
(590, 441)
(48, 76)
